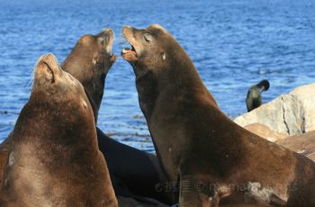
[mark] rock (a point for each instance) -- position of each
(290, 114)
(303, 144)
(265, 132)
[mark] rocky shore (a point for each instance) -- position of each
(288, 120)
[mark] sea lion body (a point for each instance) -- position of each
(54, 158)
(210, 155)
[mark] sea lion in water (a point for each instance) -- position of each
(253, 98)
(198, 145)
(55, 160)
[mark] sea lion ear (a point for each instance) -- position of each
(47, 67)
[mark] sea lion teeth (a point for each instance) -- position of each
(125, 50)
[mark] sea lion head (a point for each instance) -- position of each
(90, 61)
(160, 64)
(53, 85)
(152, 48)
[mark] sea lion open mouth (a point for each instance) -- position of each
(130, 54)
(131, 49)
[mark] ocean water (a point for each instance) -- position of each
(234, 44)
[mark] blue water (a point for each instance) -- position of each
(234, 44)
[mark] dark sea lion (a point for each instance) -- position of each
(208, 154)
(55, 160)
(134, 173)
(253, 98)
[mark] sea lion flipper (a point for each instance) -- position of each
(194, 192)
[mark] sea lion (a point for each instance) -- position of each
(253, 98)
(134, 173)
(199, 146)
(90, 61)
(54, 159)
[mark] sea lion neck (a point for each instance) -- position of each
(95, 103)
(92, 77)
(94, 90)
(89, 62)
(179, 79)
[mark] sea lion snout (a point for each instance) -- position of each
(106, 38)
(135, 37)
(127, 29)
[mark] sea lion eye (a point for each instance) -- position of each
(148, 37)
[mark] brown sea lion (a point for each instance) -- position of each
(89, 62)
(199, 146)
(133, 172)
(54, 158)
